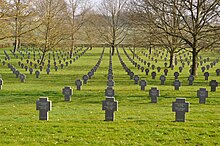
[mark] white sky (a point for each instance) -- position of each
(96, 1)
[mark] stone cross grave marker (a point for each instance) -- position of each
(207, 67)
(61, 66)
(165, 64)
(22, 77)
(110, 105)
(146, 71)
(177, 84)
(110, 83)
(17, 73)
(85, 79)
(158, 69)
(180, 106)
(3, 63)
(153, 67)
(13, 69)
(201, 63)
(136, 79)
(31, 70)
(143, 84)
(56, 68)
(176, 75)
(1, 83)
(109, 92)
(218, 72)
(90, 74)
(26, 67)
(43, 105)
(172, 67)
(214, 85)
(37, 73)
(131, 74)
(154, 93)
(202, 94)
(180, 69)
(35, 65)
(67, 92)
(162, 79)
(48, 71)
(206, 74)
(78, 84)
(165, 72)
(153, 74)
(142, 69)
(110, 77)
(191, 79)
(41, 68)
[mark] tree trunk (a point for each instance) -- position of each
(113, 50)
(91, 46)
(194, 62)
(72, 46)
(71, 52)
(150, 50)
(15, 44)
(171, 59)
(43, 56)
(133, 52)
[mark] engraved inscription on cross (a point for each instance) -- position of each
(180, 106)
(43, 105)
(109, 105)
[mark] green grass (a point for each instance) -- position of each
(81, 121)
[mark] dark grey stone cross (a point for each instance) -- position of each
(67, 92)
(180, 106)
(43, 105)
(109, 105)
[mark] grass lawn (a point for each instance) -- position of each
(81, 121)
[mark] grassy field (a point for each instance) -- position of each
(81, 121)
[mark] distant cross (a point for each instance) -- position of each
(154, 93)
(213, 85)
(85, 79)
(177, 84)
(67, 92)
(162, 79)
(109, 92)
(191, 79)
(143, 84)
(202, 94)
(78, 84)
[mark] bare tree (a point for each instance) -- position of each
(113, 22)
(4, 20)
(24, 19)
(197, 22)
(77, 10)
(146, 17)
(51, 32)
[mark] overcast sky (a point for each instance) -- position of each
(96, 1)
